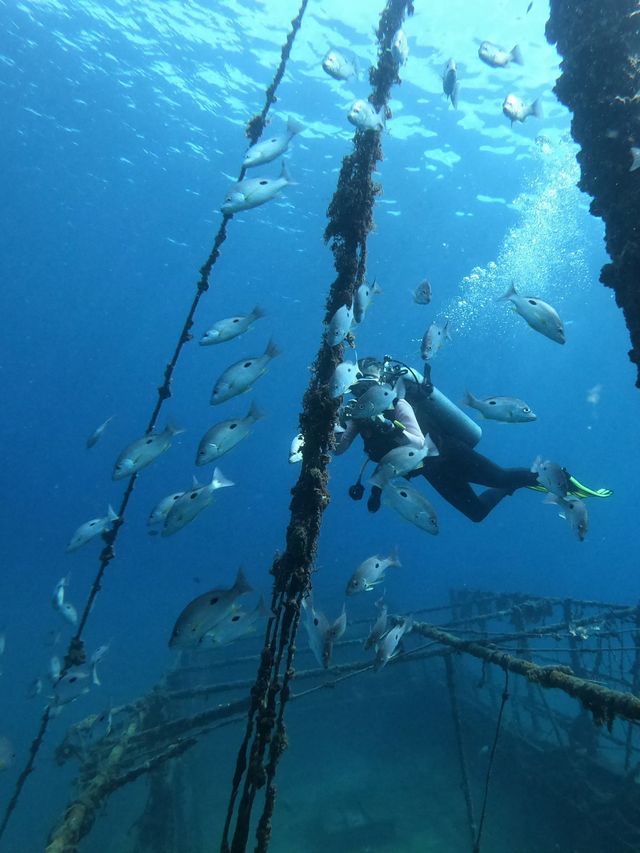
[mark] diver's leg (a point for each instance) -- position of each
(470, 465)
(459, 493)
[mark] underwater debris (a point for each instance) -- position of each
(599, 87)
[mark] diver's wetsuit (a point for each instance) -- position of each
(458, 465)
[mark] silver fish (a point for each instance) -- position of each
(433, 340)
(400, 47)
(344, 376)
(364, 295)
(295, 451)
(371, 572)
(321, 633)
(144, 451)
(450, 84)
(267, 150)
(400, 461)
(161, 510)
(55, 668)
(389, 643)
(363, 116)
(574, 511)
(69, 613)
(35, 688)
(379, 628)
(191, 503)
(99, 655)
(230, 327)
(237, 624)
(516, 110)
(338, 67)
(422, 294)
(374, 401)
(203, 613)
(72, 686)
(538, 314)
(635, 159)
(240, 376)
(508, 410)
(223, 437)
(339, 325)
(253, 192)
(59, 591)
(412, 506)
(552, 476)
(90, 529)
(95, 436)
(497, 57)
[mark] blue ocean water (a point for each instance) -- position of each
(123, 127)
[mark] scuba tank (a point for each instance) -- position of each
(434, 411)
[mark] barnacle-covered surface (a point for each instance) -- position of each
(599, 41)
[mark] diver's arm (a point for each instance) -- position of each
(404, 415)
(345, 440)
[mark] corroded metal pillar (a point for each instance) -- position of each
(599, 41)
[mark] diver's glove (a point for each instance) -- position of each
(373, 504)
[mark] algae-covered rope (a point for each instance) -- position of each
(75, 652)
(350, 221)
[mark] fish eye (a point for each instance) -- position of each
(149, 441)
(275, 139)
(214, 600)
(91, 523)
(232, 426)
(235, 618)
(404, 494)
(532, 301)
(236, 320)
(73, 679)
(493, 402)
(263, 183)
(247, 364)
(193, 495)
(526, 410)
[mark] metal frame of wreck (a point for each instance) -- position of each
(155, 729)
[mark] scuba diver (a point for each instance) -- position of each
(419, 413)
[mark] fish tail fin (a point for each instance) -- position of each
(394, 560)
(445, 332)
(509, 292)
(219, 481)
(285, 175)
(536, 109)
(454, 96)
(94, 674)
(241, 584)
(173, 429)
(257, 313)
(467, 398)
(516, 55)
(272, 350)
(430, 444)
(635, 154)
(535, 465)
(294, 126)
(375, 287)
(111, 515)
(254, 413)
